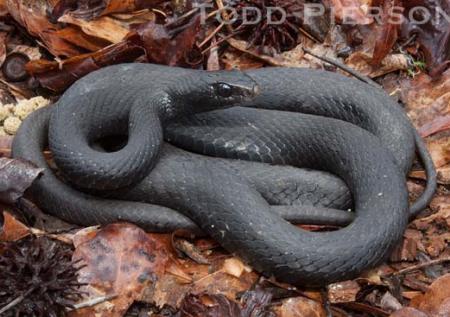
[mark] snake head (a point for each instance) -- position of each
(218, 90)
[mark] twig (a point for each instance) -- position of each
(345, 68)
(305, 33)
(224, 14)
(12, 304)
(182, 17)
(92, 302)
(223, 39)
(210, 36)
(16, 301)
(419, 266)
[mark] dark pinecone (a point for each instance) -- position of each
(40, 270)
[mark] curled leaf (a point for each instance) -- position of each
(15, 177)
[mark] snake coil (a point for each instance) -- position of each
(280, 116)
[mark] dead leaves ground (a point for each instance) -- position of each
(130, 272)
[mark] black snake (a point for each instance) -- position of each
(305, 118)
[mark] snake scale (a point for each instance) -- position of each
(250, 132)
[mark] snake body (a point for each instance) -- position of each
(330, 123)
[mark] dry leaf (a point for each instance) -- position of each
(122, 260)
(164, 46)
(209, 306)
(105, 28)
(361, 62)
(387, 34)
(15, 177)
(301, 307)
(343, 292)
(89, 10)
(432, 36)
(12, 229)
(352, 10)
(426, 99)
(435, 302)
(58, 77)
(32, 16)
(409, 312)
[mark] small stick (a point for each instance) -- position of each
(92, 302)
(12, 304)
(420, 266)
(224, 14)
(210, 36)
(345, 68)
(16, 301)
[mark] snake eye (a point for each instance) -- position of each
(224, 90)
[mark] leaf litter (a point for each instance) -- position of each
(128, 271)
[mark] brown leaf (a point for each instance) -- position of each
(435, 299)
(15, 177)
(352, 10)
(170, 289)
(12, 229)
(122, 260)
(32, 16)
(5, 145)
(433, 36)
(293, 58)
(425, 98)
(3, 36)
(90, 10)
(166, 46)
(362, 62)
(301, 307)
(254, 303)
(343, 292)
(209, 306)
(58, 77)
(105, 28)
(438, 124)
(409, 312)
(387, 34)
(74, 36)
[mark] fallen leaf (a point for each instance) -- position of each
(355, 11)
(33, 16)
(389, 302)
(164, 45)
(12, 229)
(432, 36)
(343, 292)
(438, 124)
(291, 58)
(190, 250)
(253, 303)
(234, 267)
(436, 299)
(301, 307)
(362, 62)
(209, 306)
(5, 145)
(408, 312)
(105, 28)
(122, 260)
(426, 99)
(3, 36)
(170, 290)
(58, 76)
(90, 10)
(15, 177)
(387, 34)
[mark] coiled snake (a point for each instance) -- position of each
(272, 116)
